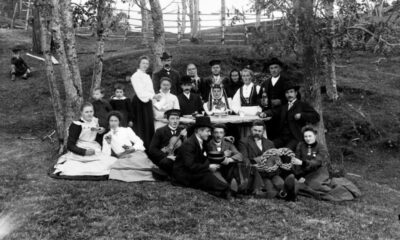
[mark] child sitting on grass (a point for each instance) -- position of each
(18, 65)
(101, 107)
(122, 104)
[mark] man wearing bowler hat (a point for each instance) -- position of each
(192, 167)
(295, 114)
(272, 89)
(167, 71)
(216, 78)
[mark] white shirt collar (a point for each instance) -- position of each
(169, 91)
(200, 141)
(187, 94)
(248, 86)
(274, 80)
(116, 98)
(294, 100)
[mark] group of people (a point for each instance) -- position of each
(142, 139)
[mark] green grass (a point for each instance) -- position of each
(43, 208)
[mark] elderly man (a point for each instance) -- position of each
(167, 71)
(274, 95)
(192, 167)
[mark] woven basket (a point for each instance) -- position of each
(271, 160)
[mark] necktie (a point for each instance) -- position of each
(173, 132)
(290, 105)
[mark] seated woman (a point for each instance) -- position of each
(246, 98)
(313, 174)
(218, 102)
(163, 102)
(132, 165)
(84, 156)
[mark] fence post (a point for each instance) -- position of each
(179, 36)
(223, 13)
(13, 17)
(27, 15)
(246, 35)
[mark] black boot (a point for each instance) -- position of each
(290, 188)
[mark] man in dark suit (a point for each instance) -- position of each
(158, 150)
(272, 91)
(215, 78)
(295, 114)
(189, 102)
(252, 149)
(253, 146)
(167, 71)
(192, 167)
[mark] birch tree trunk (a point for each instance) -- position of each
(184, 13)
(308, 41)
(159, 34)
(145, 22)
(44, 12)
(223, 14)
(258, 13)
(194, 18)
(98, 60)
(36, 31)
(72, 98)
(328, 53)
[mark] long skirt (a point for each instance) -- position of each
(71, 164)
(143, 120)
(319, 185)
(133, 167)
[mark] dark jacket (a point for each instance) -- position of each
(308, 116)
(20, 65)
(313, 156)
(206, 86)
(173, 75)
(191, 161)
(225, 145)
(191, 105)
(101, 109)
(250, 150)
(160, 140)
(232, 87)
(124, 106)
(274, 92)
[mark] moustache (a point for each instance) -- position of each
(167, 65)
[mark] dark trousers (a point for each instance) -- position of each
(166, 165)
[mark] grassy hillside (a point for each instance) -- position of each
(359, 127)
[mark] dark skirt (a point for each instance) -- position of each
(143, 120)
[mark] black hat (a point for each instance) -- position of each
(165, 55)
(202, 121)
(291, 85)
(175, 112)
(216, 157)
(220, 86)
(186, 80)
(274, 61)
(16, 49)
(214, 62)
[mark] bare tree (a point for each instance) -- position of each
(328, 52)
(308, 40)
(159, 34)
(145, 22)
(43, 8)
(73, 99)
(98, 61)
(194, 18)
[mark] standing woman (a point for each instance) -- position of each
(247, 95)
(234, 83)
(142, 106)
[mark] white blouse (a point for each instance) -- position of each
(143, 86)
(236, 101)
(168, 101)
(120, 137)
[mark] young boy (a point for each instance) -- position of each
(101, 107)
(18, 65)
(122, 104)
